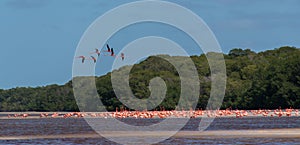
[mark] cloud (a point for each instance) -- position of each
(26, 4)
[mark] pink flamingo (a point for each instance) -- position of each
(54, 115)
(94, 59)
(82, 58)
(112, 52)
(122, 56)
(97, 51)
(108, 48)
(25, 115)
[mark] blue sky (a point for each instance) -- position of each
(39, 37)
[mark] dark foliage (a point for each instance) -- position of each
(269, 79)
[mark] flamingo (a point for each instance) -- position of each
(108, 48)
(25, 115)
(97, 51)
(82, 58)
(112, 52)
(55, 114)
(122, 56)
(94, 59)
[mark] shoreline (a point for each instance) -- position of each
(61, 117)
(257, 133)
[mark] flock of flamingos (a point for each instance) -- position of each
(123, 113)
(109, 50)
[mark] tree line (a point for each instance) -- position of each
(268, 80)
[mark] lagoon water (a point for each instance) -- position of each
(58, 131)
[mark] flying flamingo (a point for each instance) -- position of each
(97, 51)
(108, 48)
(94, 59)
(112, 52)
(122, 56)
(82, 58)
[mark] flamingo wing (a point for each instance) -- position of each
(82, 58)
(112, 52)
(94, 59)
(108, 48)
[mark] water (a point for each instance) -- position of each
(60, 127)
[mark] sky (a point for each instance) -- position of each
(39, 37)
